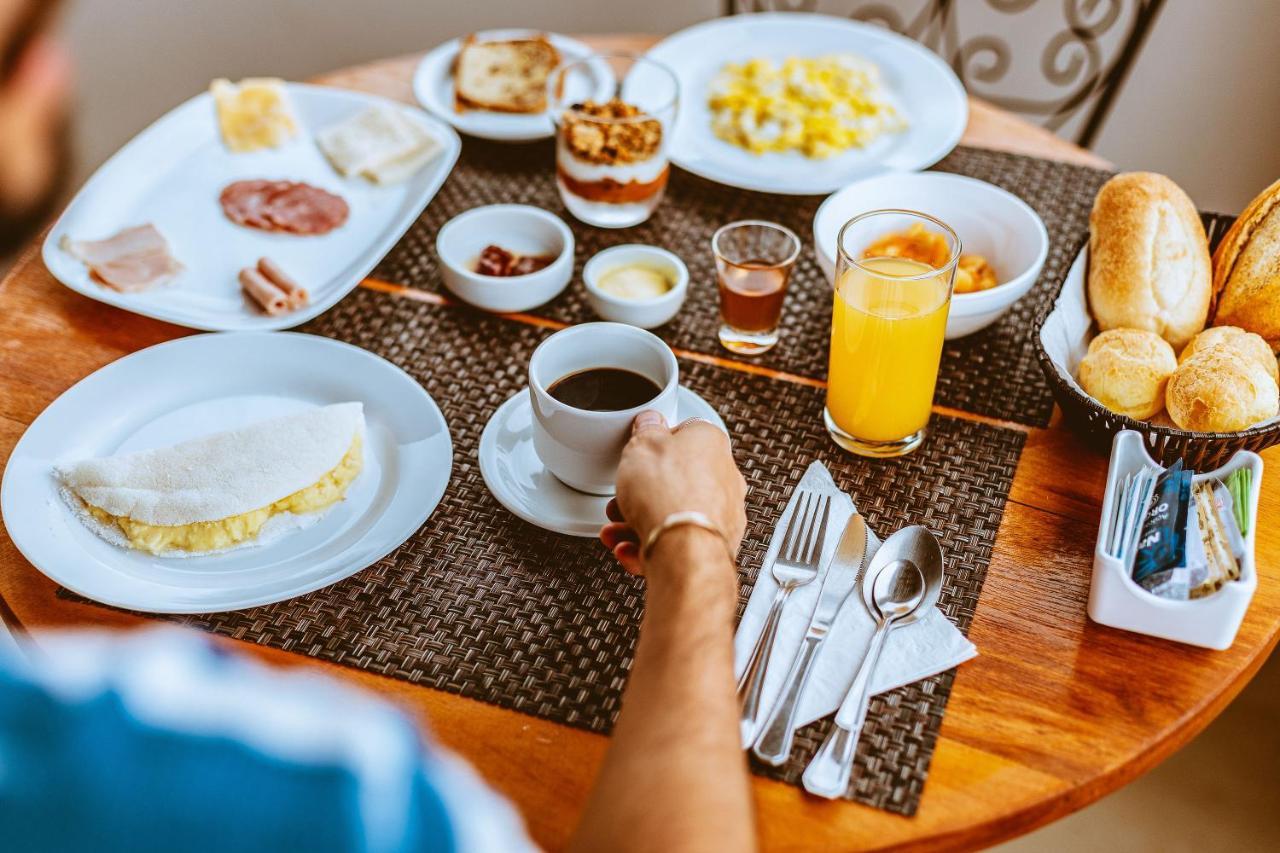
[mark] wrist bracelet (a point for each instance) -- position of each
(686, 518)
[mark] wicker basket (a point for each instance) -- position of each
(1200, 451)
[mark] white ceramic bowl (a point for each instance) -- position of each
(645, 313)
(990, 222)
(519, 228)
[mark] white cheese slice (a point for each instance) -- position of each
(381, 143)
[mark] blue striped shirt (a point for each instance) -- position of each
(158, 741)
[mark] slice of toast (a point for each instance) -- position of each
(503, 76)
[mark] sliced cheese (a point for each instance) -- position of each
(381, 143)
(253, 114)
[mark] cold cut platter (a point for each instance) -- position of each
(256, 205)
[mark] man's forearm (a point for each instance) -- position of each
(675, 777)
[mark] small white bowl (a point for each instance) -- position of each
(518, 228)
(644, 313)
(990, 222)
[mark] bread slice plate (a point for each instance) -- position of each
(203, 384)
(433, 87)
(171, 175)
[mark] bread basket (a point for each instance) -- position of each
(1062, 334)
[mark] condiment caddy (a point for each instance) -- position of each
(1115, 599)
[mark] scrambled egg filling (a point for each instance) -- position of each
(819, 106)
(225, 532)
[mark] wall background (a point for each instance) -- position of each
(1201, 104)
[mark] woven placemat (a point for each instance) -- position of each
(484, 605)
(993, 372)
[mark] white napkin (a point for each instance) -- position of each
(912, 652)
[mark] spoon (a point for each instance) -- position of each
(896, 592)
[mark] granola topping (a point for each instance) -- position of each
(610, 142)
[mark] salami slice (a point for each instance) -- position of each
(287, 206)
(304, 209)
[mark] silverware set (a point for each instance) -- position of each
(901, 583)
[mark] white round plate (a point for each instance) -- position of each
(516, 477)
(433, 87)
(206, 383)
(925, 89)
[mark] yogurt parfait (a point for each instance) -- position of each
(611, 155)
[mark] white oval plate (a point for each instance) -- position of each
(433, 87)
(518, 480)
(171, 175)
(924, 87)
(206, 383)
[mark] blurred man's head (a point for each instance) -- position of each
(35, 84)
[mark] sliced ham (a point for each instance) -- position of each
(133, 260)
(268, 297)
(296, 293)
(283, 206)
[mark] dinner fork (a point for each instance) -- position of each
(794, 565)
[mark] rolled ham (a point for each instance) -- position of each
(269, 298)
(296, 293)
(130, 261)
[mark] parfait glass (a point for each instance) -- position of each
(614, 114)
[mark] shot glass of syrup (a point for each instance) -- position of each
(753, 264)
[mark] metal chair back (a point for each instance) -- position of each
(1059, 63)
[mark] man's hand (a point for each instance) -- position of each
(33, 107)
(667, 470)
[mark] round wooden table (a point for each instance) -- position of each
(1054, 713)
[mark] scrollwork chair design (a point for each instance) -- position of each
(1068, 85)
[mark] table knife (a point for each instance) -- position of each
(773, 745)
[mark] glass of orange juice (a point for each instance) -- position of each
(887, 328)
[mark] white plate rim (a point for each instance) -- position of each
(441, 168)
(32, 554)
(727, 177)
(491, 476)
(506, 127)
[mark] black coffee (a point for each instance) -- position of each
(604, 389)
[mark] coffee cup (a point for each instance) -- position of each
(587, 384)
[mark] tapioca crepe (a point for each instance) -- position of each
(222, 490)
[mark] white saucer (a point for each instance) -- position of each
(516, 477)
(433, 87)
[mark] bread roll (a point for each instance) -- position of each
(1126, 370)
(1246, 270)
(1247, 344)
(1148, 258)
(1219, 390)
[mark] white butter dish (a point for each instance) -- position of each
(1115, 599)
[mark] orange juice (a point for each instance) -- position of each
(886, 343)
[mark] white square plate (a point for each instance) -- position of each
(171, 175)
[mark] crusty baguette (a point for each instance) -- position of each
(503, 76)
(1246, 270)
(1148, 258)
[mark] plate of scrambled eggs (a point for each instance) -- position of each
(218, 472)
(803, 104)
